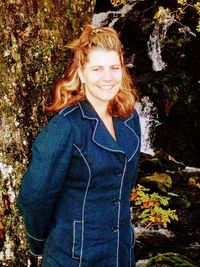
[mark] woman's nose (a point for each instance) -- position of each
(107, 75)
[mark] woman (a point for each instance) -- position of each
(74, 196)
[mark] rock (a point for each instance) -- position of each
(168, 161)
(152, 165)
(169, 259)
(183, 202)
(157, 238)
(160, 181)
(141, 263)
(159, 163)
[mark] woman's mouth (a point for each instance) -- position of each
(106, 87)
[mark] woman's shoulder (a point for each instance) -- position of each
(63, 118)
(59, 127)
(134, 122)
(135, 114)
(67, 110)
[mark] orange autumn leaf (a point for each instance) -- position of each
(145, 205)
(133, 196)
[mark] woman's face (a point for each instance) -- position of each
(102, 75)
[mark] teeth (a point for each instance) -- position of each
(106, 86)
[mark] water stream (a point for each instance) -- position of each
(156, 39)
(109, 18)
(148, 120)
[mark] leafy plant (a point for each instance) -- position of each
(178, 12)
(117, 2)
(150, 208)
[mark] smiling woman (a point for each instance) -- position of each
(69, 91)
(102, 76)
(74, 196)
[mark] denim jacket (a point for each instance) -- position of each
(75, 193)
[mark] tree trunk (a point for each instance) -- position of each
(33, 55)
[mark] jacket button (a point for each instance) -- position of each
(116, 200)
(118, 172)
(115, 229)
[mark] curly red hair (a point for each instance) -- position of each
(69, 92)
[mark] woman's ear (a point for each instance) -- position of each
(81, 75)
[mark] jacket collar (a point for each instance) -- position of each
(123, 130)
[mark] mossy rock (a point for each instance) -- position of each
(170, 260)
(161, 181)
(183, 202)
(152, 165)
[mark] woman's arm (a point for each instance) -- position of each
(43, 181)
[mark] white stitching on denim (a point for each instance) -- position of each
(119, 209)
(74, 239)
(83, 112)
(37, 239)
(37, 255)
(97, 121)
(62, 110)
(120, 151)
(90, 118)
(85, 196)
(70, 111)
(136, 137)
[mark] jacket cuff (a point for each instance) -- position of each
(35, 245)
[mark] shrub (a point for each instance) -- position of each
(149, 209)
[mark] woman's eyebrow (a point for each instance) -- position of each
(95, 66)
(101, 66)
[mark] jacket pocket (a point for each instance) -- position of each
(77, 238)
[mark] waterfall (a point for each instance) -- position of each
(158, 36)
(148, 120)
(156, 39)
(109, 18)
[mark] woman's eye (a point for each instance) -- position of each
(116, 68)
(96, 69)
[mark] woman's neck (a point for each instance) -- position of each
(102, 112)
(101, 109)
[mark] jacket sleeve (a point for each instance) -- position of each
(137, 129)
(43, 181)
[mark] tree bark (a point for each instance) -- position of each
(33, 55)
